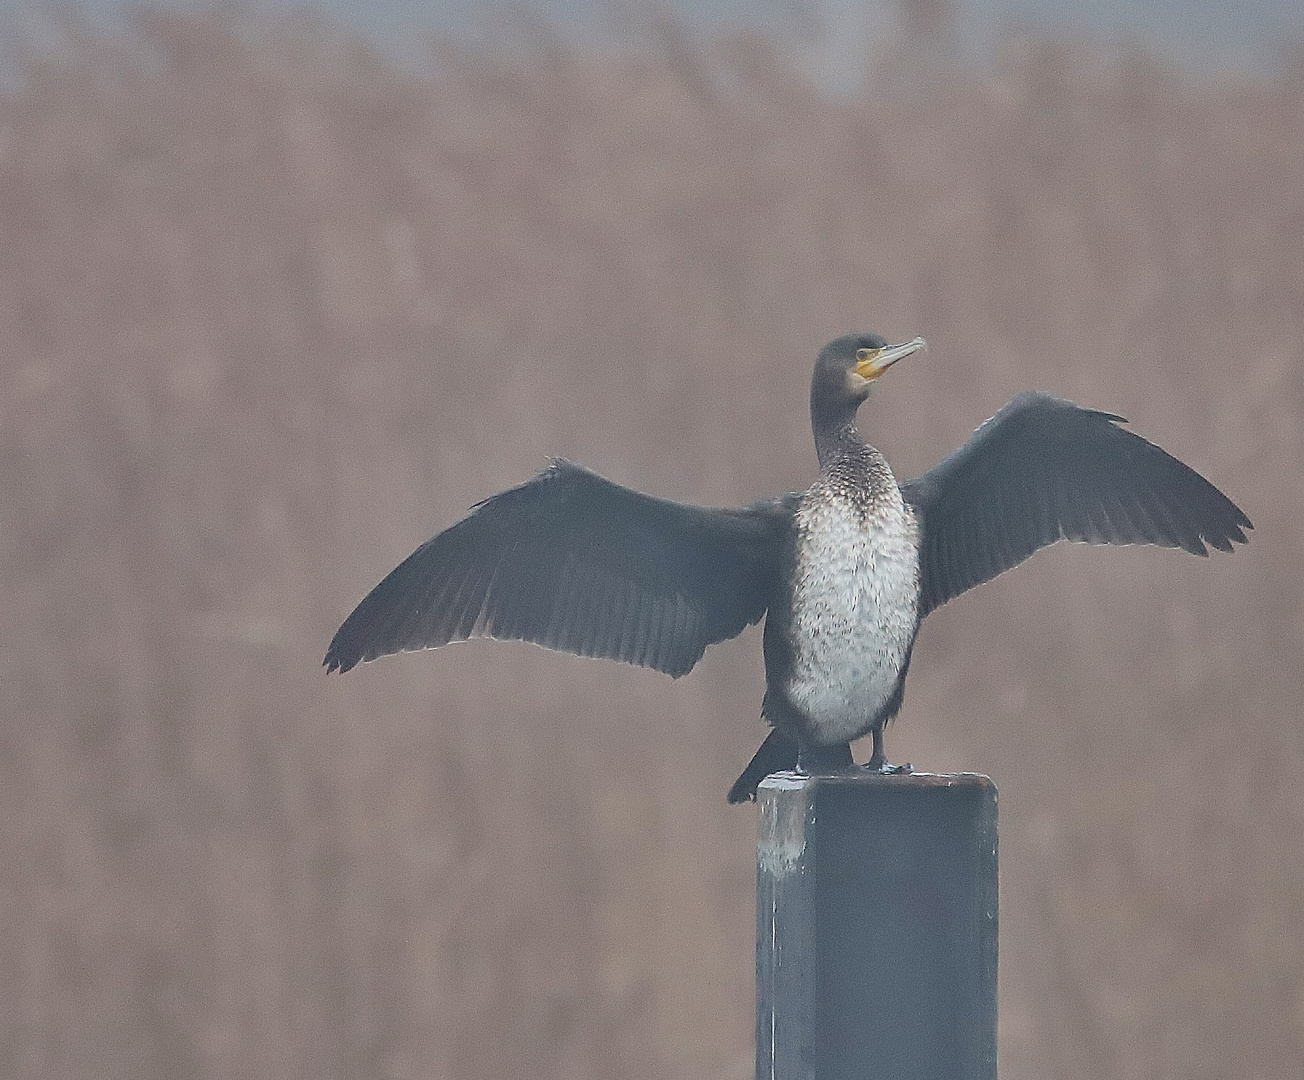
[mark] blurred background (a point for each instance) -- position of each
(283, 292)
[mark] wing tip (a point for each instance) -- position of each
(339, 659)
(1231, 531)
(334, 663)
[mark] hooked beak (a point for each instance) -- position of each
(871, 363)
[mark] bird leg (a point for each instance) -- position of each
(878, 760)
(825, 760)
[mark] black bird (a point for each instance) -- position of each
(843, 572)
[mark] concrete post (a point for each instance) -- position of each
(876, 927)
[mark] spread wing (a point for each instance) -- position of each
(1043, 469)
(577, 563)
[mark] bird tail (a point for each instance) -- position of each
(776, 754)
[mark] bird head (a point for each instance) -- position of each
(847, 367)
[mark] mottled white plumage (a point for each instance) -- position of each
(855, 596)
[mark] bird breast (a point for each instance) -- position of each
(855, 603)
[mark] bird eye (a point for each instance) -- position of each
(862, 354)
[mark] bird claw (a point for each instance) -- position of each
(886, 768)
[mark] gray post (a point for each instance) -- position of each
(876, 928)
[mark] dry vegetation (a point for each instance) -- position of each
(272, 311)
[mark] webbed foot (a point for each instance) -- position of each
(886, 768)
(878, 762)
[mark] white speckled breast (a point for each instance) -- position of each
(855, 598)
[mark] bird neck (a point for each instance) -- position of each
(836, 441)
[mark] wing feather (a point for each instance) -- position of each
(579, 564)
(1043, 469)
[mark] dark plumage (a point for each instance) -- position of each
(845, 570)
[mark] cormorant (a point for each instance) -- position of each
(843, 572)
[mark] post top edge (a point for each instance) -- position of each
(794, 781)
